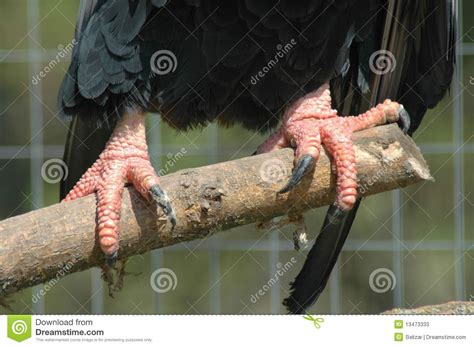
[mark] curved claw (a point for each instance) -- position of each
(404, 119)
(111, 260)
(163, 201)
(334, 215)
(305, 163)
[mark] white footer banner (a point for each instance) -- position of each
(235, 330)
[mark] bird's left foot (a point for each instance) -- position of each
(311, 122)
(124, 160)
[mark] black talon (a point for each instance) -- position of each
(112, 260)
(163, 201)
(305, 163)
(335, 215)
(403, 119)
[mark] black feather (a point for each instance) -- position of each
(321, 259)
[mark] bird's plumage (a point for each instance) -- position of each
(219, 46)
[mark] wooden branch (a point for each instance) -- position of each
(49, 243)
(452, 307)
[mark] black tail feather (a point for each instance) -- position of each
(321, 259)
(85, 141)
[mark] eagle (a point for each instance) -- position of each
(311, 72)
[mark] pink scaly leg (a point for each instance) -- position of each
(310, 122)
(124, 160)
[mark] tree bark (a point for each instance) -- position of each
(49, 243)
(452, 307)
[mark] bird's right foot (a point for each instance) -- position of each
(311, 122)
(124, 160)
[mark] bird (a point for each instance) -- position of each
(296, 69)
